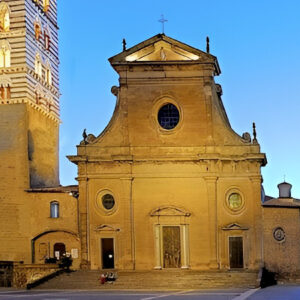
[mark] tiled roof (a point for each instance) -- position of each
(282, 202)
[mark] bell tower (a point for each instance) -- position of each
(29, 84)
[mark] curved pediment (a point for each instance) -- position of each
(106, 227)
(170, 211)
(235, 226)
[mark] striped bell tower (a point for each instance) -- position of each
(29, 77)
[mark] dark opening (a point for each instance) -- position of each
(108, 256)
(168, 116)
(6, 273)
(59, 247)
(236, 252)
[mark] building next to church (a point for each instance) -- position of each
(167, 184)
(38, 216)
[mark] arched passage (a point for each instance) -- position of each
(42, 245)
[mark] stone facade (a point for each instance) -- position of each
(160, 179)
(167, 184)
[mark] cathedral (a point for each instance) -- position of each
(167, 184)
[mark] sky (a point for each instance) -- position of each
(257, 43)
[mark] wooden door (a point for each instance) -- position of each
(171, 247)
(236, 252)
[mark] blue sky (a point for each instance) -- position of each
(257, 43)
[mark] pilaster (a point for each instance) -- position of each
(211, 184)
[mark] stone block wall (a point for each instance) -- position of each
(25, 274)
(282, 255)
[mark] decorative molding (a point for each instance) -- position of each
(235, 226)
(169, 211)
(106, 227)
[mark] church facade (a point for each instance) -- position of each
(167, 184)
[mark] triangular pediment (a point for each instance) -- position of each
(170, 211)
(161, 51)
(162, 48)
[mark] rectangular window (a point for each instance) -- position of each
(54, 210)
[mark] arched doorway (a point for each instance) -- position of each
(59, 249)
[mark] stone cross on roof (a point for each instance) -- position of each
(162, 21)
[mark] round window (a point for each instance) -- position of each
(108, 201)
(168, 116)
(279, 234)
(235, 201)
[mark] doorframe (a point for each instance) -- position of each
(101, 254)
(184, 245)
(229, 236)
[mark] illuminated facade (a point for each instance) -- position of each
(167, 184)
(186, 188)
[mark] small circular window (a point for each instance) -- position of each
(279, 234)
(235, 201)
(108, 201)
(168, 116)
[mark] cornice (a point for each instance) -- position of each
(12, 33)
(51, 115)
(51, 88)
(29, 71)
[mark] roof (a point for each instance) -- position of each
(284, 183)
(58, 189)
(163, 49)
(282, 202)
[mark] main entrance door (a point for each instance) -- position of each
(236, 252)
(108, 257)
(171, 247)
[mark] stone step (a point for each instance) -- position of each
(183, 279)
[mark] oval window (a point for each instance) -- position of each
(235, 201)
(108, 201)
(168, 116)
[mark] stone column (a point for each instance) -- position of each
(211, 184)
(157, 232)
(185, 249)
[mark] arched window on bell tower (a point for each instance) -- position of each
(38, 93)
(46, 5)
(38, 65)
(4, 92)
(5, 84)
(48, 73)
(47, 38)
(4, 17)
(37, 28)
(4, 54)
